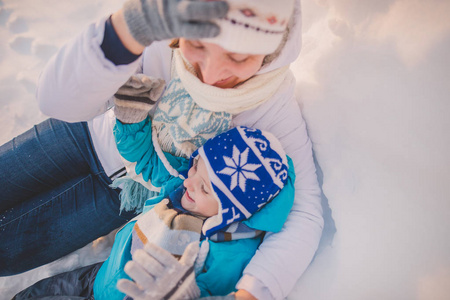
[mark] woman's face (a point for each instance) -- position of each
(216, 66)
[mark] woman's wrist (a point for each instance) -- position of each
(243, 295)
(121, 28)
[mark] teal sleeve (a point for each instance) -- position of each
(224, 266)
(112, 269)
(134, 142)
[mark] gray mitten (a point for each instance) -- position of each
(157, 274)
(136, 98)
(156, 20)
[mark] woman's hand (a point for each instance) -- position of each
(239, 295)
(243, 295)
(155, 20)
(159, 275)
(121, 29)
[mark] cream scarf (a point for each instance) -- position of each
(245, 96)
(191, 112)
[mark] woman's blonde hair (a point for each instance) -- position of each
(175, 43)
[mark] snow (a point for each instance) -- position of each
(373, 86)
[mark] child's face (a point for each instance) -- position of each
(199, 198)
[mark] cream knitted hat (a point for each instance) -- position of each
(253, 26)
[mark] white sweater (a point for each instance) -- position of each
(77, 84)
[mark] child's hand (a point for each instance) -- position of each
(159, 275)
(136, 98)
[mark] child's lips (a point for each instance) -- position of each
(189, 197)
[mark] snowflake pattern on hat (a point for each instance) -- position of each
(247, 168)
(238, 168)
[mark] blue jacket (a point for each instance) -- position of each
(226, 261)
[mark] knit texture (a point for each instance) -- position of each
(245, 96)
(247, 169)
(181, 125)
(191, 112)
(136, 98)
(253, 26)
(166, 227)
(156, 20)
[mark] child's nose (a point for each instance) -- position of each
(189, 183)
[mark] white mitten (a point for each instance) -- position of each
(201, 257)
(159, 275)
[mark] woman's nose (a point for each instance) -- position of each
(213, 70)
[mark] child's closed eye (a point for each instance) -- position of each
(204, 190)
(195, 165)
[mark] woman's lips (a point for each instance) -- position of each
(222, 82)
(189, 197)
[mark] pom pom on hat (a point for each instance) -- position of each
(253, 26)
(247, 168)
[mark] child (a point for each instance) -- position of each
(231, 177)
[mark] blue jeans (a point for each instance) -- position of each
(77, 284)
(55, 196)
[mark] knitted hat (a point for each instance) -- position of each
(253, 26)
(247, 168)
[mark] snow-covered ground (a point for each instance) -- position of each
(373, 83)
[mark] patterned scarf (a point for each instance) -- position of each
(191, 112)
(181, 125)
(171, 227)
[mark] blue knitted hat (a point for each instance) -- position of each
(247, 168)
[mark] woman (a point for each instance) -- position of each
(49, 205)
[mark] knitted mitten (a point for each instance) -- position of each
(156, 20)
(136, 98)
(157, 274)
